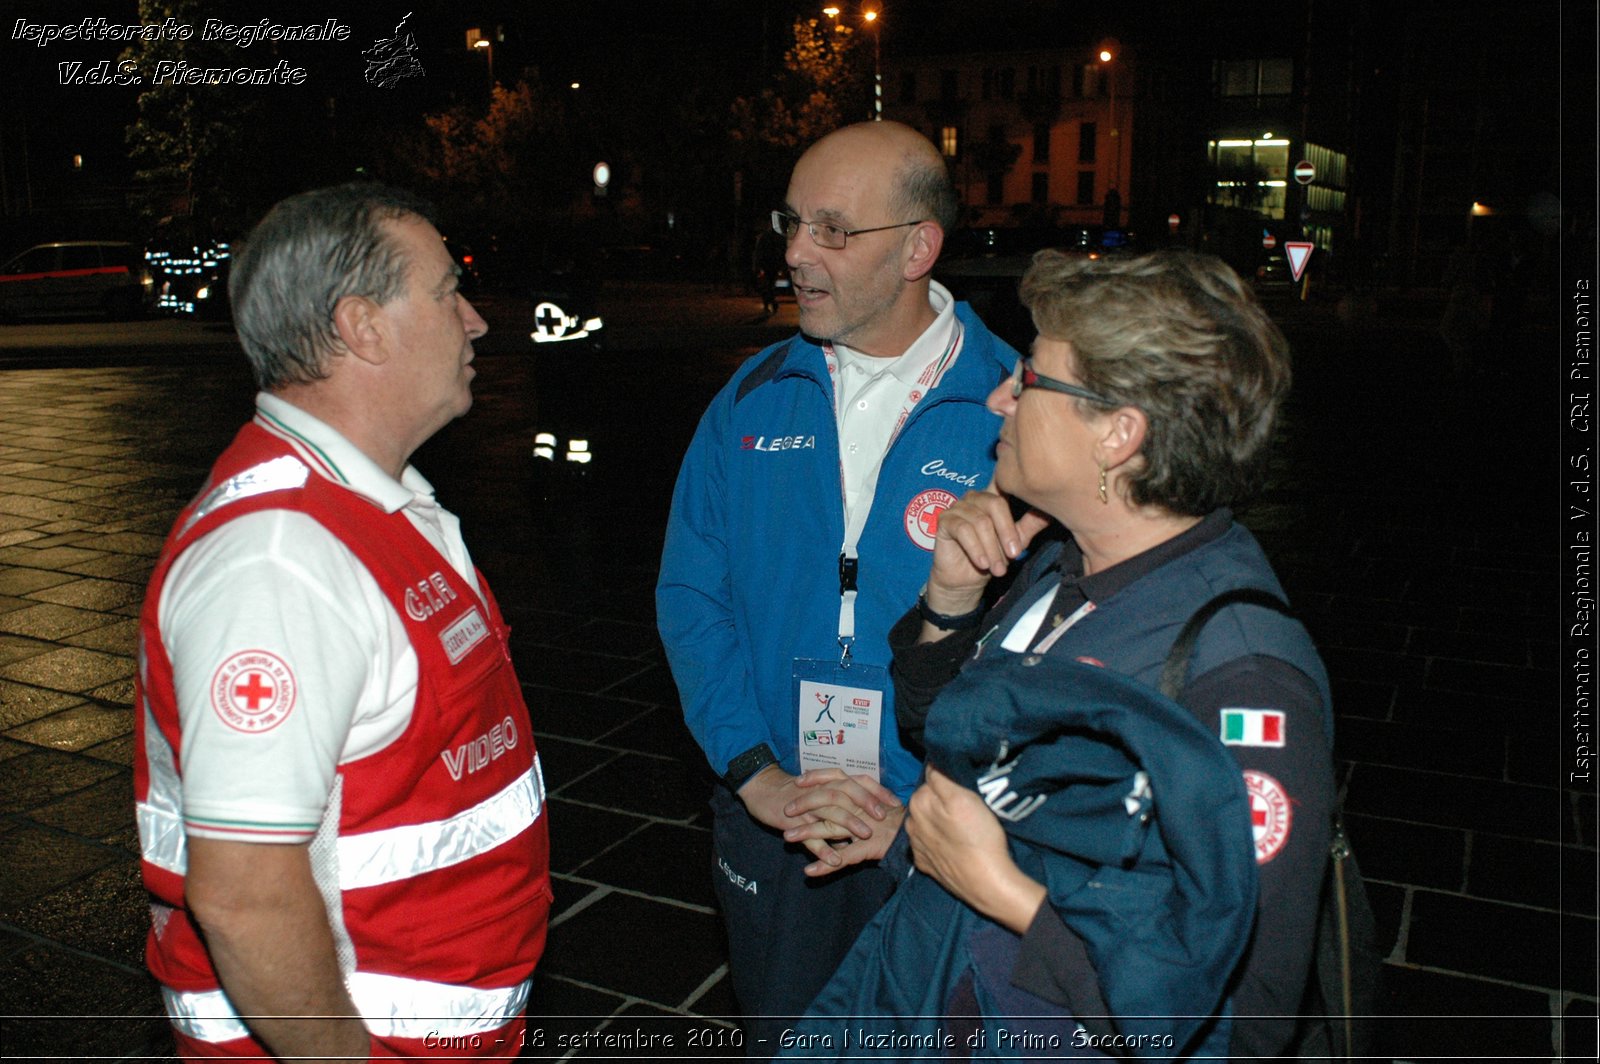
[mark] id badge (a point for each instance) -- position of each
(840, 715)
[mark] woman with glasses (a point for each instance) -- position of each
(1099, 848)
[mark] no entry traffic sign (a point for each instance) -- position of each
(1304, 171)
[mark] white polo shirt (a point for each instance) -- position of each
(279, 582)
(872, 396)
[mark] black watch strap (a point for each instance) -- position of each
(948, 622)
(747, 764)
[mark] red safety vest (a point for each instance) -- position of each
(442, 844)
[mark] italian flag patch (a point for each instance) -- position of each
(1252, 727)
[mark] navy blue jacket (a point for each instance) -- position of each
(1133, 816)
(1128, 636)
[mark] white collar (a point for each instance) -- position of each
(923, 352)
(331, 455)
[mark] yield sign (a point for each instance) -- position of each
(1298, 251)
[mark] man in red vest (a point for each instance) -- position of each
(340, 804)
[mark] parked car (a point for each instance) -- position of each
(983, 266)
(1274, 273)
(77, 278)
(193, 279)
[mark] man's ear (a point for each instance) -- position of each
(358, 322)
(926, 241)
(1125, 429)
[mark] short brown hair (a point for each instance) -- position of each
(1177, 335)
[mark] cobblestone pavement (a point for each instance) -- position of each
(1415, 530)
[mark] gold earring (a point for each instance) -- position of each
(1103, 500)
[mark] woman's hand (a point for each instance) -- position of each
(960, 843)
(976, 542)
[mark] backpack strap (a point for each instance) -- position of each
(1177, 666)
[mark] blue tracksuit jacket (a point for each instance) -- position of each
(750, 572)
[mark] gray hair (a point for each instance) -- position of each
(922, 189)
(309, 252)
(1177, 335)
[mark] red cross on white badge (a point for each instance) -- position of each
(1271, 813)
(922, 516)
(254, 691)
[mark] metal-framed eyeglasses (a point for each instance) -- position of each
(825, 234)
(1024, 377)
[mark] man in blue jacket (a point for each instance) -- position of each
(802, 526)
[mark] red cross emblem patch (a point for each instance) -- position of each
(253, 691)
(1269, 814)
(922, 516)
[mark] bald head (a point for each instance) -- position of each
(893, 157)
(884, 187)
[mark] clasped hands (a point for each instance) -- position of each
(842, 819)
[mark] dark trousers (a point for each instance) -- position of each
(786, 932)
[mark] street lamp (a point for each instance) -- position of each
(488, 51)
(1108, 55)
(870, 17)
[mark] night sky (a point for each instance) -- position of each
(637, 58)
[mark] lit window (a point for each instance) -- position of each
(947, 142)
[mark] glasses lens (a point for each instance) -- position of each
(1016, 377)
(828, 236)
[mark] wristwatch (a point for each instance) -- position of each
(948, 622)
(747, 764)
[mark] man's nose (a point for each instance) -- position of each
(472, 321)
(800, 248)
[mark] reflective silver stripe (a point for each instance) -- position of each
(207, 1016)
(409, 1008)
(391, 1007)
(162, 841)
(324, 853)
(377, 857)
(277, 475)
